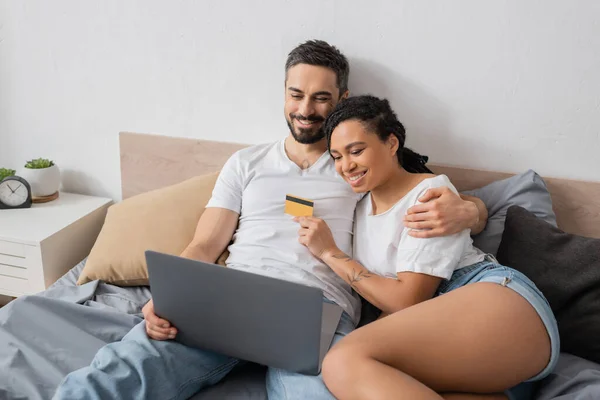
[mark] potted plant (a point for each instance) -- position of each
(43, 176)
(4, 172)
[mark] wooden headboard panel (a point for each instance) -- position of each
(153, 161)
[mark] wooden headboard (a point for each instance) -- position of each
(153, 161)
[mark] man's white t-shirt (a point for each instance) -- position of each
(383, 246)
(254, 183)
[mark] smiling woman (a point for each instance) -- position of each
(436, 286)
(365, 160)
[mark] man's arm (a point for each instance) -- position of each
(482, 213)
(443, 213)
(213, 232)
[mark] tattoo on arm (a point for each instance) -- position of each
(342, 256)
(356, 274)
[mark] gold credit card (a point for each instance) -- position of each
(298, 207)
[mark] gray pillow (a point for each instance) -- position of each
(527, 190)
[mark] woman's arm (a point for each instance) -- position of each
(387, 294)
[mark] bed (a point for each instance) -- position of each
(47, 335)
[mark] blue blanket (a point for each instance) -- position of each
(45, 336)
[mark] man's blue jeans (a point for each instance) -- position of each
(138, 367)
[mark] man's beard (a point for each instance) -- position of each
(306, 135)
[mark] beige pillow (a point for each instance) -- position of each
(163, 220)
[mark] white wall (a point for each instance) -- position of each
(502, 85)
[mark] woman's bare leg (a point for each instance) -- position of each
(482, 338)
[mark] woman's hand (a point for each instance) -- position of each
(315, 234)
(156, 327)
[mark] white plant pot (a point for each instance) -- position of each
(44, 181)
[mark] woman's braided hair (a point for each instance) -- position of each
(375, 114)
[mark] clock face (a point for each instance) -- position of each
(13, 193)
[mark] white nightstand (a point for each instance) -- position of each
(40, 244)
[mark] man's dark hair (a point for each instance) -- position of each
(375, 114)
(321, 54)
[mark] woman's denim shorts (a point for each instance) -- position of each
(490, 271)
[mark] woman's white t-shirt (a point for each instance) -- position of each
(383, 246)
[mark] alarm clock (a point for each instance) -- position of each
(15, 192)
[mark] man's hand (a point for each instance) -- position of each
(156, 327)
(315, 234)
(443, 213)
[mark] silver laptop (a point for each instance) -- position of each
(243, 315)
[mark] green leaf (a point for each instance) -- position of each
(39, 163)
(4, 172)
